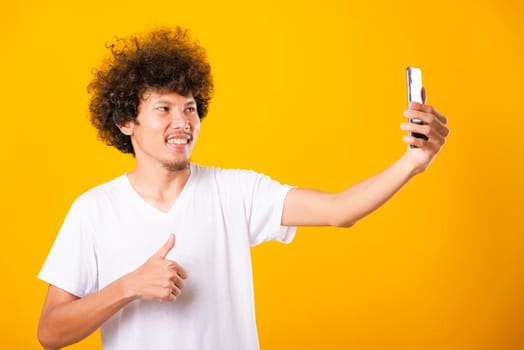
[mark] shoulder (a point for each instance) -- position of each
(236, 180)
(225, 175)
(105, 192)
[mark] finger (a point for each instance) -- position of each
(176, 270)
(415, 106)
(179, 282)
(177, 274)
(432, 144)
(424, 95)
(175, 290)
(428, 118)
(166, 248)
(181, 272)
(439, 115)
(167, 294)
(171, 296)
(414, 127)
(438, 126)
(424, 129)
(414, 141)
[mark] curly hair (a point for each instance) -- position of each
(164, 60)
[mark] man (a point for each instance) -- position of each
(115, 263)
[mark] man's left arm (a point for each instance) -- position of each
(304, 207)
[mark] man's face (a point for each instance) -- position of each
(165, 130)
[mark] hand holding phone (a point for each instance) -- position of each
(414, 82)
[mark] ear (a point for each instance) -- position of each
(127, 128)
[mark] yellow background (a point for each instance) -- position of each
(310, 93)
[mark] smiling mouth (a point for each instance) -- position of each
(179, 139)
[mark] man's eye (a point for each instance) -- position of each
(191, 109)
(163, 109)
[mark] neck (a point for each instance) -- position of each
(159, 187)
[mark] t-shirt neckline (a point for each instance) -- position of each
(143, 203)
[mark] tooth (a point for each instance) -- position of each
(178, 141)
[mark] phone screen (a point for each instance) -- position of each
(414, 80)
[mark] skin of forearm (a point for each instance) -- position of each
(307, 207)
(365, 197)
(69, 322)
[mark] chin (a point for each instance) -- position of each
(177, 166)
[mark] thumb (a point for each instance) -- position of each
(166, 248)
(424, 95)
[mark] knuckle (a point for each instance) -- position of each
(182, 273)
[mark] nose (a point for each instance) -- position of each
(179, 120)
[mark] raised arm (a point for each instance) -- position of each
(304, 207)
(66, 319)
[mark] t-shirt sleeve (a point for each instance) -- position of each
(265, 205)
(71, 263)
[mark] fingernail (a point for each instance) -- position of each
(403, 126)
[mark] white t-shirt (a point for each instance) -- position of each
(110, 231)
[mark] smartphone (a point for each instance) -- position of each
(414, 82)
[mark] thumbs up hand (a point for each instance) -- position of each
(158, 278)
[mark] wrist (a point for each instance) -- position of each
(410, 166)
(127, 288)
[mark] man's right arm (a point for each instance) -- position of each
(66, 318)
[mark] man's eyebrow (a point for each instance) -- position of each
(168, 102)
